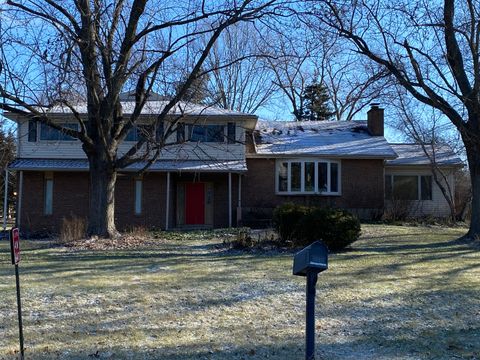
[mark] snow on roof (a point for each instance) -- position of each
(413, 154)
(347, 139)
(157, 106)
(159, 166)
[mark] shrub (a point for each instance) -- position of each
(73, 228)
(286, 218)
(336, 228)
(254, 239)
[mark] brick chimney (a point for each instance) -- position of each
(375, 120)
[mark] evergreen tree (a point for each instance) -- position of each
(7, 154)
(315, 104)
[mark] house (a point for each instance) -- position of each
(221, 168)
(410, 186)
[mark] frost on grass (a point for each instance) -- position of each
(400, 293)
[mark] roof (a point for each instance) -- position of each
(156, 107)
(345, 139)
(158, 166)
(413, 154)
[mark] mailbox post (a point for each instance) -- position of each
(309, 262)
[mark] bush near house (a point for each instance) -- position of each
(302, 225)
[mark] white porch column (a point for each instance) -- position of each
(229, 199)
(167, 207)
(5, 201)
(239, 207)
(19, 198)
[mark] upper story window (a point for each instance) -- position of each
(408, 187)
(139, 132)
(50, 134)
(32, 130)
(308, 177)
(206, 133)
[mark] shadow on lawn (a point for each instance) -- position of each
(287, 350)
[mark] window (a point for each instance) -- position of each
(308, 176)
(408, 187)
(206, 133)
(426, 187)
(231, 133)
(48, 200)
(283, 176)
(32, 130)
(50, 134)
(138, 132)
(138, 196)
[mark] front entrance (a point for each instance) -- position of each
(194, 203)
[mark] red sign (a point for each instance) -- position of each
(15, 245)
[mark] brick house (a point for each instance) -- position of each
(222, 168)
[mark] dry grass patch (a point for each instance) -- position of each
(400, 293)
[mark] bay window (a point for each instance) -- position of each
(308, 177)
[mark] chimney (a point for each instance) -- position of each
(375, 120)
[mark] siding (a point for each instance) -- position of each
(73, 149)
(438, 206)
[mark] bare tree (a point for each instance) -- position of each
(246, 84)
(291, 68)
(94, 50)
(432, 50)
(315, 56)
(427, 135)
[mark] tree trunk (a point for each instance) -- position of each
(103, 176)
(474, 231)
(473, 154)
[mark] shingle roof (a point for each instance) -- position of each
(346, 139)
(413, 154)
(158, 166)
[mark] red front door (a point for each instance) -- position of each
(195, 203)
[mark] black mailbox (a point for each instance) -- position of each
(313, 258)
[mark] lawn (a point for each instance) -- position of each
(401, 292)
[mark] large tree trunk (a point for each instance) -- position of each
(472, 148)
(103, 176)
(474, 231)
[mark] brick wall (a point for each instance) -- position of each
(71, 198)
(362, 188)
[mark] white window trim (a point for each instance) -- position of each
(302, 190)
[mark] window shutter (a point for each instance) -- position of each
(231, 133)
(159, 132)
(32, 130)
(180, 132)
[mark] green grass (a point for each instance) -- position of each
(400, 293)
